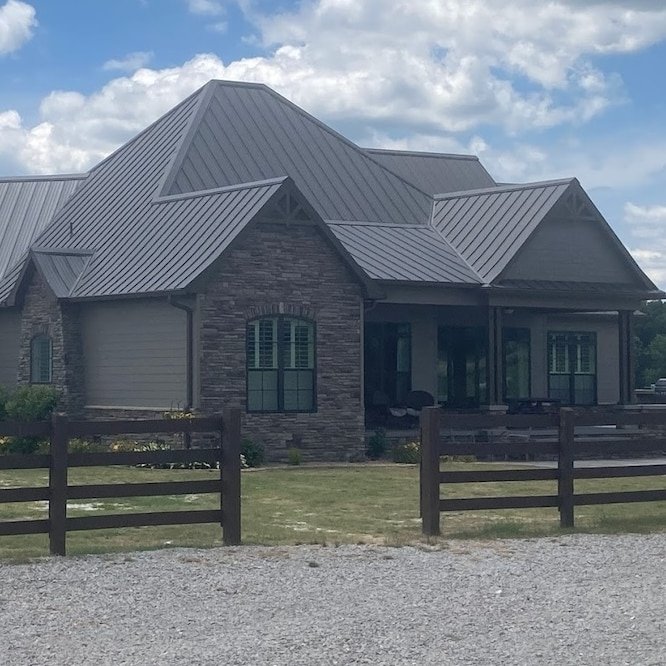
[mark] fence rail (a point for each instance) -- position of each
(563, 444)
(58, 461)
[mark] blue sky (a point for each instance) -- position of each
(537, 90)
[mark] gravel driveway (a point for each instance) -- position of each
(578, 599)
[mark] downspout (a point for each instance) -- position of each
(189, 312)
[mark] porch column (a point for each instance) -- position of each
(626, 356)
(495, 372)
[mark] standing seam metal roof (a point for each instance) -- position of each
(488, 226)
(163, 207)
(27, 206)
(403, 253)
(249, 132)
(435, 173)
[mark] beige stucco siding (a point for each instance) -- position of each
(10, 332)
(134, 354)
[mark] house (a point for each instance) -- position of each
(240, 252)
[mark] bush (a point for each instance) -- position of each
(294, 457)
(407, 452)
(31, 403)
(253, 452)
(377, 445)
(27, 403)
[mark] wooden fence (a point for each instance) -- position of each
(560, 443)
(58, 461)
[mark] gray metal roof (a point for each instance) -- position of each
(403, 253)
(488, 226)
(157, 212)
(435, 173)
(247, 132)
(60, 268)
(27, 205)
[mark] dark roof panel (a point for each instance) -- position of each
(249, 133)
(435, 173)
(403, 253)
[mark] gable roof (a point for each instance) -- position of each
(488, 226)
(435, 173)
(60, 268)
(155, 214)
(27, 206)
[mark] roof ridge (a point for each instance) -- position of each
(45, 177)
(504, 188)
(383, 225)
(167, 198)
(424, 153)
(171, 170)
(69, 251)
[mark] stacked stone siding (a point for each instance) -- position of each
(42, 314)
(291, 270)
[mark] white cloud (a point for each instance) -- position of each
(648, 229)
(427, 69)
(17, 21)
(130, 63)
(206, 7)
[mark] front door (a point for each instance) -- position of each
(572, 367)
(387, 360)
(461, 366)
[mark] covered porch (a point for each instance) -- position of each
(494, 356)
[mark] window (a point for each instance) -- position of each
(41, 360)
(280, 365)
(572, 367)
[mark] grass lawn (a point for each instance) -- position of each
(346, 504)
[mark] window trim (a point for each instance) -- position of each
(33, 341)
(281, 318)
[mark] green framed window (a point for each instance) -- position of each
(572, 367)
(41, 360)
(281, 365)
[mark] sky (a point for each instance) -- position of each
(538, 90)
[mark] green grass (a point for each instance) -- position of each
(331, 505)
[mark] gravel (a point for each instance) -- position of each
(578, 599)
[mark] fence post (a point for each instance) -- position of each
(230, 477)
(565, 467)
(429, 471)
(58, 485)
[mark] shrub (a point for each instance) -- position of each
(28, 403)
(377, 445)
(253, 452)
(31, 403)
(294, 457)
(407, 452)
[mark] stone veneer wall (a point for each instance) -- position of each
(42, 314)
(283, 269)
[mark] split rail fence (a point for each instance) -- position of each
(562, 444)
(59, 460)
